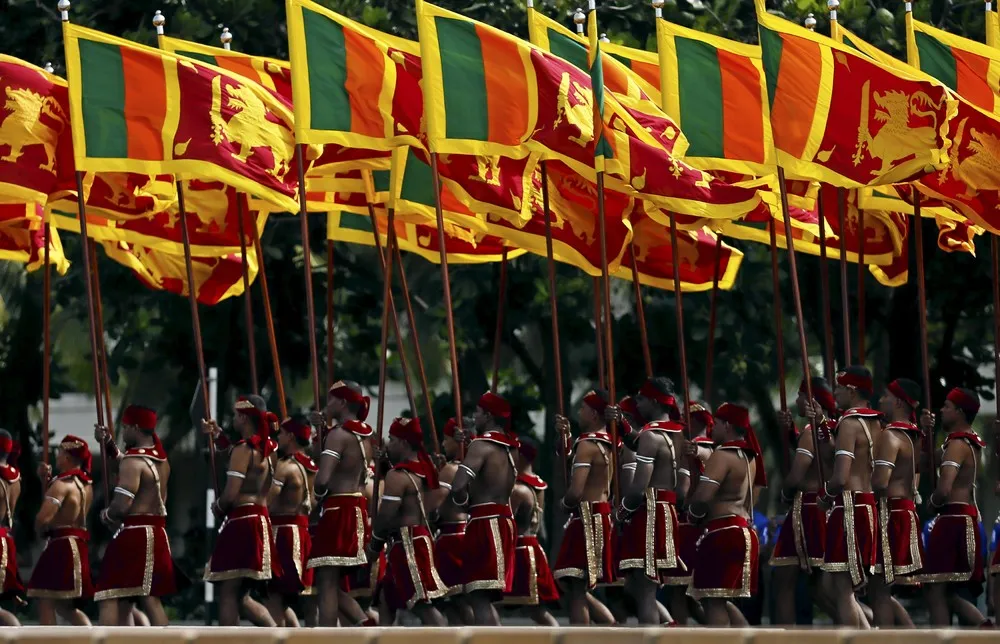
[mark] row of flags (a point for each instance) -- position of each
(692, 133)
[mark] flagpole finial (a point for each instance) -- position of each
(604, 38)
(658, 7)
(810, 22)
(531, 4)
(158, 22)
(580, 19)
(63, 7)
(49, 68)
(226, 37)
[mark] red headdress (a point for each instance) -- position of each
(408, 429)
(822, 395)
(341, 390)
(145, 419)
(78, 449)
(261, 438)
(301, 431)
(703, 413)
(899, 389)
(11, 448)
(740, 417)
(596, 401)
(965, 402)
(496, 406)
(451, 426)
(273, 422)
(856, 378)
(651, 391)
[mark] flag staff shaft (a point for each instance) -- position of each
(599, 334)
(925, 362)
(329, 313)
(247, 299)
(862, 269)
(679, 310)
(383, 355)
(712, 316)
(498, 334)
(307, 274)
(46, 341)
(779, 334)
(640, 311)
(824, 282)
(844, 286)
(272, 341)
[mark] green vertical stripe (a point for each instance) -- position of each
(624, 60)
(205, 58)
(102, 80)
(603, 147)
(381, 179)
(418, 182)
(326, 53)
(937, 60)
(568, 49)
(849, 42)
(699, 82)
(464, 78)
(770, 45)
(354, 221)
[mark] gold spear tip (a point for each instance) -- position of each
(158, 19)
(579, 17)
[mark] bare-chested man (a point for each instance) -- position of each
(580, 568)
(11, 586)
(802, 539)
(412, 581)
(849, 557)
(534, 587)
(725, 565)
(242, 554)
(137, 564)
(343, 530)
(898, 552)
(289, 504)
(450, 521)
(698, 450)
(954, 549)
(484, 483)
(648, 543)
(62, 573)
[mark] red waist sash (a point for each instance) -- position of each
(490, 510)
(152, 520)
(345, 501)
(242, 511)
(898, 503)
(960, 509)
(810, 498)
(452, 528)
(597, 507)
(300, 520)
(860, 498)
(666, 496)
(727, 522)
(59, 533)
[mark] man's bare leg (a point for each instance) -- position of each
(643, 592)
(153, 608)
(541, 616)
(328, 584)
(108, 612)
(968, 614)
(482, 608)
(784, 579)
(140, 618)
(679, 604)
(230, 595)
(428, 615)
(255, 612)
(46, 612)
(598, 612)
(349, 606)
(736, 617)
(73, 615)
(665, 617)
(275, 605)
(291, 619)
(847, 609)
(8, 618)
(937, 604)
(576, 596)
(880, 598)
(716, 613)
(900, 615)
(617, 604)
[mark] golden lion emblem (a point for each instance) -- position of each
(982, 164)
(24, 127)
(249, 128)
(896, 139)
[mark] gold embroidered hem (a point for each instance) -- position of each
(147, 575)
(337, 562)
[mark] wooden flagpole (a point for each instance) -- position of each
(329, 314)
(498, 334)
(824, 280)
(925, 362)
(307, 274)
(640, 310)
(679, 309)
(46, 342)
(710, 352)
(779, 335)
(272, 341)
(247, 300)
(862, 269)
(844, 286)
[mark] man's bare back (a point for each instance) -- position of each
(292, 497)
(258, 470)
(10, 493)
(347, 474)
(664, 446)
(495, 476)
(733, 472)
(596, 487)
(896, 447)
(151, 490)
(75, 499)
(854, 435)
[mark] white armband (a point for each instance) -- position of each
(951, 464)
(235, 474)
(52, 499)
(278, 483)
(888, 464)
(124, 492)
(644, 459)
(330, 452)
(628, 466)
(804, 452)
(446, 486)
(576, 465)
(705, 479)
(467, 470)
(388, 497)
(683, 471)
(845, 452)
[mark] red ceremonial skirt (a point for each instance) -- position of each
(688, 534)
(533, 580)
(898, 541)
(63, 569)
(342, 532)
(291, 549)
(411, 577)
(488, 561)
(360, 580)
(137, 562)
(726, 562)
(802, 538)
(586, 552)
(850, 536)
(955, 548)
(10, 579)
(649, 540)
(448, 555)
(244, 547)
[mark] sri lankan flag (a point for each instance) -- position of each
(346, 84)
(463, 246)
(714, 89)
(970, 68)
(840, 117)
(143, 110)
(216, 278)
(35, 144)
(22, 238)
(274, 74)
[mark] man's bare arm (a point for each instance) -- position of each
(844, 458)
(329, 460)
(716, 471)
(583, 459)
(54, 497)
(886, 452)
(239, 463)
(434, 499)
(129, 477)
(801, 462)
(468, 469)
(950, 465)
(645, 457)
(390, 505)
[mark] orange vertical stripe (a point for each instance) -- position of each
(239, 65)
(742, 112)
(972, 72)
(365, 76)
(796, 95)
(145, 103)
(506, 88)
(648, 72)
